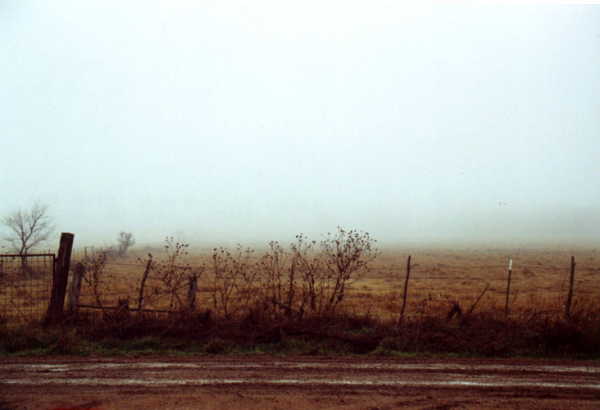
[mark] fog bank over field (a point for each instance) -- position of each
(225, 122)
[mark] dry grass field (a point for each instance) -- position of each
(439, 278)
(337, 296)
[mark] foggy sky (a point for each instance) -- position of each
(250, 121)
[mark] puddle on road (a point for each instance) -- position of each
(132, 365)
(299, 382)
(66, 367)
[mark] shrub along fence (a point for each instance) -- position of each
(307, 279)
(318, 279)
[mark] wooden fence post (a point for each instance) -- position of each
(143, 282)
(508, 287)
(405, 294)
(59, 279)
(75, 290)
(472, 308)
(571, 285)
(192, 289)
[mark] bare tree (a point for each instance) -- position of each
(124, 242)
(28, 228)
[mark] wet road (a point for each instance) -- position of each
(324, 372)
(552, 380)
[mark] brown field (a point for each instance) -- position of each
(439, 278)
(245, 301)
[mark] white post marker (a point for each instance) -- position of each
(508, 287)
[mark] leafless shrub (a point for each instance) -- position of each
(278, 275)
(235, 278)
(173, 272)
(248, 285)
(93, 267)
(345, 254)
(223, 281)
(310, 278)
(310, 268)
(328, 268)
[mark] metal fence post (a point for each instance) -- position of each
(508, 280)
(571, 285)
(404, 295)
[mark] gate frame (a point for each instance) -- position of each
(30, 256)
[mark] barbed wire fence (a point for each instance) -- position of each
(26, 283)
(483, 280)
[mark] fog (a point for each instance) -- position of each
(250, 121)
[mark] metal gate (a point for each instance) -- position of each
(25, 287)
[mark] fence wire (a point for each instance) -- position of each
(25, 287)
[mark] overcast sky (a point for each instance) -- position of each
(246, 121)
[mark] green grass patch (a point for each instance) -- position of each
(480, 336)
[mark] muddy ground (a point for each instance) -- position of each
(262, 382)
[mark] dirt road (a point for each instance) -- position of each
(259, 382)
